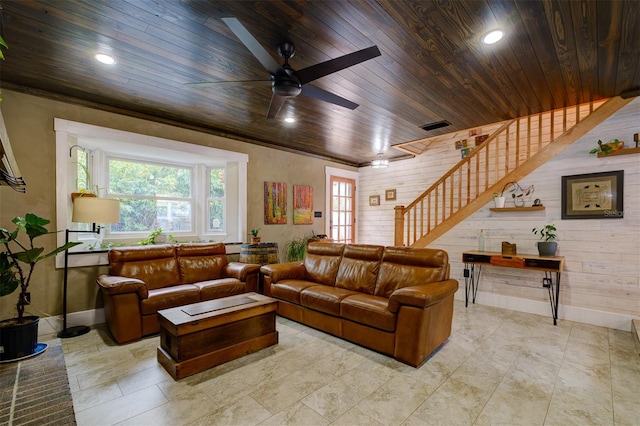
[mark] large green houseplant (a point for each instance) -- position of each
(18, 260)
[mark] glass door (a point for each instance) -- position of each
(343, 215)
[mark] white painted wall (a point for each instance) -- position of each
(601, 281)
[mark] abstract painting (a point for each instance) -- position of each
(302, 205)
(275, 203)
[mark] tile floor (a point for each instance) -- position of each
(498, 367)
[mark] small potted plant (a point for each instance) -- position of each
(547, 245)
(254, 236)
(19, 335)
(605, 148)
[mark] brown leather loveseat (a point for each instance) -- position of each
(144, 280)
(394, 300)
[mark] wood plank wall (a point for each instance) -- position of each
(602, 256)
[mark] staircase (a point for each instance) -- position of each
(513, 151)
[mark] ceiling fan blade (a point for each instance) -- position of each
(323, 95)
(226, 83)
(252, 44)
(276, 103)
(328, 67)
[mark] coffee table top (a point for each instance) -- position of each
(217, 311)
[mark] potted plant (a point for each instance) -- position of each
(606, 148)
(296, 248)
(254, 236)
(19, 335)
(548, 245)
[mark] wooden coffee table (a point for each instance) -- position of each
(199, 336)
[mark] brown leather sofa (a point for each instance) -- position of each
(143, 280)
(394, 300)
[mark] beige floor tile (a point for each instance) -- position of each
(181, 410)
(335, 398)
(121, 409)
(498, 367)
(245, 411)
(296, 414)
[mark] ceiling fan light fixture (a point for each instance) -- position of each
(492, 37)
(380, 162)
(289, 120)
(103, 58)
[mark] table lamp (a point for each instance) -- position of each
(86, 210)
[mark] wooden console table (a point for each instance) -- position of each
(550, 265)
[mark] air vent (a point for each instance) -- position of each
(436, 125)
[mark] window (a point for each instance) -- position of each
(193, 192)
(216, 200)
(152, 196)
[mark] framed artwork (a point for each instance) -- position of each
(390, 194)
(302, 205)
(593, 196)
(374, 200)
(481, 138)
(461, 144)
(275, 203)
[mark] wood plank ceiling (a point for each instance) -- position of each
(433, 66)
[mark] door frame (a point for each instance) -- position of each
(342, 173)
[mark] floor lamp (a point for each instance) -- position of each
(86, 210)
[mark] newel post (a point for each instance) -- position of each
(398, 238)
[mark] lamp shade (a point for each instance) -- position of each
(380, 162)
(96, 210)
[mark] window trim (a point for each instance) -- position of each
(67, 130)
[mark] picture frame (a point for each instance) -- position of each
(275, 203)
(374, 200)
(302, 205)
(593, 195)
(390, 194)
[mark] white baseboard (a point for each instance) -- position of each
(52, 325)
(569, 313)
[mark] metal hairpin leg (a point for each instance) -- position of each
(471, 282)
(554, 294)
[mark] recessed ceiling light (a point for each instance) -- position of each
(289, 120)
(492, 37)
(105, 59)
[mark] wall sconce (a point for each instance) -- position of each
(380, 162)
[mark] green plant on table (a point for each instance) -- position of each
(547, 233)
(16, 253)
(254, 232)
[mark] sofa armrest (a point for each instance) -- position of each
(283, 271)
(113, 284)
(240, 270)
(422, 295)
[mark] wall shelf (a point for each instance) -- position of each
(623, 151)
(516, 209)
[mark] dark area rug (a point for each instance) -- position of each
(35, 391)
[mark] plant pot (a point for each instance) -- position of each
(499, 202)
(547, 249)
(255, 240)
(18, 340)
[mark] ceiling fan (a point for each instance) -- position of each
(287, 82)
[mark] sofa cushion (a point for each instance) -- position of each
(359, 267)
(324, 298)
(223, 287)
(155, 265)
(404, 266)
(321, 262)
(289, 290)
(368, 310)
(170, 297)
(201, 262)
